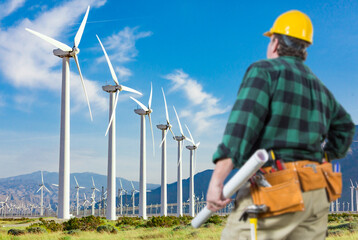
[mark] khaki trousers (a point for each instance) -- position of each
(306, 225)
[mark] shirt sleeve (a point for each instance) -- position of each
(247, 117)
(340, 133)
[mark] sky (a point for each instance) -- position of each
(197, 51)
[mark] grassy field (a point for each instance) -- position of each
(341, 226)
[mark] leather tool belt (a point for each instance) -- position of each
(285, 193)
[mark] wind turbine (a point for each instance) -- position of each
(352, 196)
(121, 191)
(163, 144)
(192, 149)
(113, 91)
(4, 206)
(65, 52)
(180, 140)
(143, 161)
(78, 187)
(84, 204)
(42, 187)
(93, 202)
(133, 197)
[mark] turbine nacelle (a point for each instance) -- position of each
(179, 138)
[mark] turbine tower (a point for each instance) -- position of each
(192, 149)
(352, 196)
(113, 100)
(84, 203)
(121, 191)
(143, 161)
(180, 140)
(65, 52)
(133, 197)
(77, 187)
(42, 187)
(93, 202)
(163, 144)
(356, 188)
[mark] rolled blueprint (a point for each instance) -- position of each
(256, 161)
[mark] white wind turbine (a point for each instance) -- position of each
(84, 204)
(113, 90)
(65, 52)
(180, 140)
(121, 192)
(133, 197)
(4, 206)
(143, 161)
(78, 187)
(163, 144)
(352, 196)
(42, 187)
(192, 149)
(93, 196)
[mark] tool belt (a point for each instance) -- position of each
(285, 193)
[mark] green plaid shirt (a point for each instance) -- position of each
(281, 105)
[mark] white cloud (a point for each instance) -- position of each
(121, 49)
(28, 62)
(9, 7)
(203, 107)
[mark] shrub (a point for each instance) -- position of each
(16, 232)
(89, 223)
(131, 221)
(51, 225)
(162, 221)
(36, 230)
(215, 219)
(105, 228)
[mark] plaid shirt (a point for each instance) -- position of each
(281, 105)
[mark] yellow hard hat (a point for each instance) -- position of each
(294, 24)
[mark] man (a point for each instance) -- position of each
(282, 106)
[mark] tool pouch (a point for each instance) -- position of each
(284, 196)
(311, 178)
(333, 182)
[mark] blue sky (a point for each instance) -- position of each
(197, 51)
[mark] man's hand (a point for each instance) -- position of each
(214, 197)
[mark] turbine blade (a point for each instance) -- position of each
(82, 187)
(76, 181)
(124, 88)
(150, 96)
(165, 136)
(52, 41)
(80, 30)
(113, 112)
(83, 85)
(114, 77)
(181, 130)
(166, 108)
(351, 182)
(120, 182)
(47, 189)
(191, 137)
(151, 129)
(194, 170)
(140, 104)
(172, 132)
(132, 185)
(197, 145)
(39, 189)
(93, 183)
(42, 177)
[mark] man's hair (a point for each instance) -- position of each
(290, 46)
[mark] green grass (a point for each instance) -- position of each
(341, 226)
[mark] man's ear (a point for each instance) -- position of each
(274, 45)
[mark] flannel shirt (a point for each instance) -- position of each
(281, 105)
